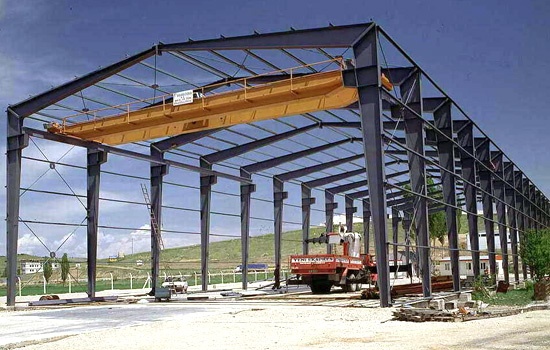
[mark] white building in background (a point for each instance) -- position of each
(483, 241)
(338, 220)
(34, 266)
(443, 266)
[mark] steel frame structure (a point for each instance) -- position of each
(393, 130)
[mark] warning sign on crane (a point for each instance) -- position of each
(182, 97)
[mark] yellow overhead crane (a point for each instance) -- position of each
(293, 96)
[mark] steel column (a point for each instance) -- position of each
(329, 214)
(520, 214)
(498, 188)
(16, 141)
(278, 197)
(94, 160)
(246, 193)
(156, 182)
(510, 195)
(367, 75)
(307, 201)
(465, 137)
(415, 136)
(533, 213)
(366, 226)
(206, 182)
(527, 188)
(350, 210)
(483, 154)
(395, 235)
(445, 148)
(407, 220)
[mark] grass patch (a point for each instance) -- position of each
(515, 297)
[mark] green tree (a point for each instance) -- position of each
(48, 270)
(64, 268)
(436, 221)
(535, 252)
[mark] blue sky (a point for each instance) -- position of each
(492, 57)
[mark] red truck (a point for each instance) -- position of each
(322, 271)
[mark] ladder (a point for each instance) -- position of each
(154, 224)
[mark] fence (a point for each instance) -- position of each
(131, 281)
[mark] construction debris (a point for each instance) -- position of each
(439, 284)
(370, 293)
(460, 314)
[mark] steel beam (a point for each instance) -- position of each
(415, 136)
(291, 175)
(510, 195)
(17, 140)
(156, 182)
(347, 187)
(206, 182)
(336, 36)
(94, 160)
(236, 151)
(333, 178)
(270, 163)
(499, 192)
(183, 139)
(246, 193)
(307, 202)
(466, 140)
(43, 100)
(127, 153)
(445, 148)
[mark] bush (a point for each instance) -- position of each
(535, 252)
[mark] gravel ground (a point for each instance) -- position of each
(265, 326)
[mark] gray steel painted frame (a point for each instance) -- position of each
(510, 195)
(16, 141)
(366, 227)
(330, 205)
(414, 135)
(246, 194)
(206, 182)
(499, 192)
(486, 184)
(307, 202)
(94, 160)
(156, 176)
(465, 137)
(445, 148)
(521, 217)
(367, 76)
(363, 38)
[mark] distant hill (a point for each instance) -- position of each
(224, 255)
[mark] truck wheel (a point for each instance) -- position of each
(320, 285)
(352, 287)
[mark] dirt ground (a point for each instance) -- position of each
(314, 327)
